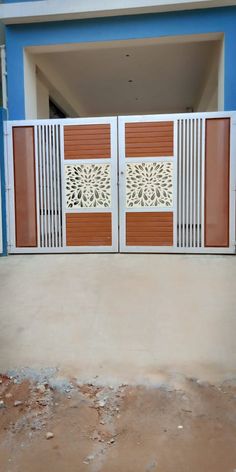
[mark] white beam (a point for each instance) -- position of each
(48, 10)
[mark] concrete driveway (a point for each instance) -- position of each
(133, 318)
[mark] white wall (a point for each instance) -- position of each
(30, 87)
(42, 100)
(59, 89)
(39, 86)
(211, 96)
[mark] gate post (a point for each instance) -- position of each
(3, 216)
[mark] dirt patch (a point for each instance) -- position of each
(124, 428)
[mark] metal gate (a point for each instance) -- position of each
(174, 176)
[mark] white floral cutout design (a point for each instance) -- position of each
(149, 184)
(88, 185)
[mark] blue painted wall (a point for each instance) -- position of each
(3, 117)
(119, 28)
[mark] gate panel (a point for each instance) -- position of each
(217, 182)
(75, 167)
(25, 187)
(147, 181)
(90, 185)
(177, 183)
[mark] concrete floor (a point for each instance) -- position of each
(131, 317)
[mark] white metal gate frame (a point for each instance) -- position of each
(63, 162)
(123, 160)
(118, 177)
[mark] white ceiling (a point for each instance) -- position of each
(137, 79)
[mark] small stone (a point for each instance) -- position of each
(88, 459)
(2, 404)
(180, 427)
(49, 435)
(95, 436)
(18, 403)
(112, 440)
(102, 422)
(0, 381)
(8, 395)
(102, 403)
(41, 388)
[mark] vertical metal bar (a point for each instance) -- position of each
(51, 209)
(54, 185)
(59, 177)
(48, 188)
(191, 186)
(40, 182)
(175, 185)
(199, 183)
(62, 185)
(44, 188)
(179, 186)
(181, 183)
(184, 181)
(187, 180)
(203, 184)
(36, 163)
(194, 181)
(232, 186)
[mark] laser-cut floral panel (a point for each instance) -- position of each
(149, 184)
(88, 185)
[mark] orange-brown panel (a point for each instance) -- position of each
(87, 141)
(89, 229)
(25, 187)
(149, 139)
(217, 182)
(149, 229)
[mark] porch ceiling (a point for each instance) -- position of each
(132, 79)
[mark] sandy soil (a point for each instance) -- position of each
(123, 429)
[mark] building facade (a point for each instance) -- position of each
(135, 58)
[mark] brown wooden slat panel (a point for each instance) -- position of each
(25, 186)
(217, 164)
(150, 124)
(86, 127)
(99, 143)
(149, 139)
(89, 229)
(149, 229)
(152, 139)
(165, 132)
(87, 141)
